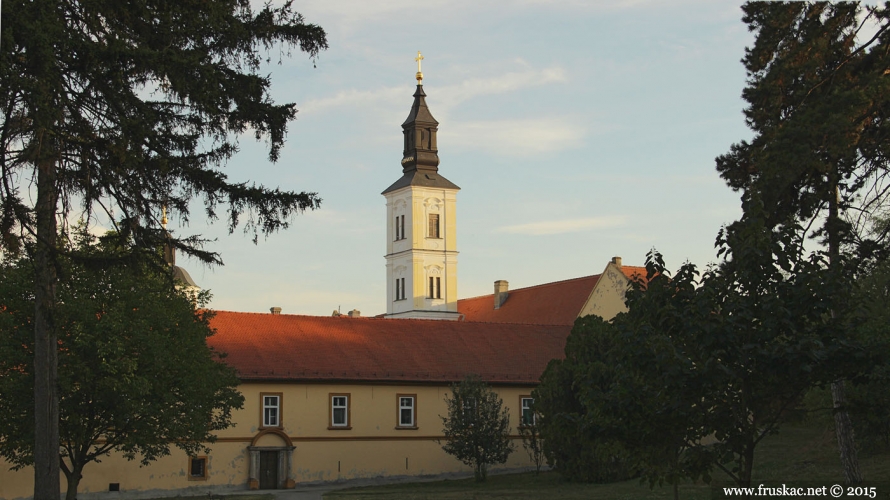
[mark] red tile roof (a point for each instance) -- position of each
(634, 272)
(314, 348)
(557, 303)
(549, 304)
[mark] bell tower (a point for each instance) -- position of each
(421, 230)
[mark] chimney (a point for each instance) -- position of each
(500, 293)
(616, 261)
(275, 310)
(355, 313)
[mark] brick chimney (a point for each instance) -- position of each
(500, 293)
(275, 310)
(355, 313)
(616, 261)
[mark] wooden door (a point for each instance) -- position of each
(268, 470)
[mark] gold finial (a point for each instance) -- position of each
(419, 74)
(164, 216)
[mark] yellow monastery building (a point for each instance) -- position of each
(345, 397)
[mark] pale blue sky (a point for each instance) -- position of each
(577, 131)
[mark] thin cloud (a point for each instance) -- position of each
(563, 226)
(382, 97)
(515, 137)
(446, 97)
(452, 95)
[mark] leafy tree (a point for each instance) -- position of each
(818, 97)
(570, 400)
(726, 354)
(869, 398)
(767, 336)
(477, 428)
(122, 107)
(657, 398)
(533, 443)
(135, 371)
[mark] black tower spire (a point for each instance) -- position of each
(420, 155)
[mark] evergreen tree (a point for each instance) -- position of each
(477, 428)
(123, 107)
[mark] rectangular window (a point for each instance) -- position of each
(398, 289)
(197, 468)
(528, 415)
(271, 410)
(339, 411)
(434, 226)
(431, 288)
(438, 287)
(407, 410)
(400, 227)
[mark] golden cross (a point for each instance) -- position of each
(419, 74)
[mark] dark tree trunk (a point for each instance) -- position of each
(846, 442)
(843, 426)
(46, 395)
(73, 477)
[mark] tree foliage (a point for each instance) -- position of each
(477, 428)
(135, 372)
(123, 107)
(818, 96)
(869, 397)
(138, 104)
(569, 400)
(533, 443)
(724, 355)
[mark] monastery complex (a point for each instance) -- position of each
(344, 396)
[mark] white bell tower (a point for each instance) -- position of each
(421, 230)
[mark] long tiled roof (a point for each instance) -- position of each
(557, 303)
(321, 348)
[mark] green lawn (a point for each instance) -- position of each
(797, 456)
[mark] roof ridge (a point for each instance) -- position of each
(426, 320)
(536, 286)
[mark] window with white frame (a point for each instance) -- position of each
(271, 410)
(339, 411)
(400, 289)
(528, 415)
(407, 410)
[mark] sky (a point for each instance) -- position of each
(577, 131)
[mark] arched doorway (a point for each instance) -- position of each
(271, 461)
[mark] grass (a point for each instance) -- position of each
(800, 455)
(265, 496)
